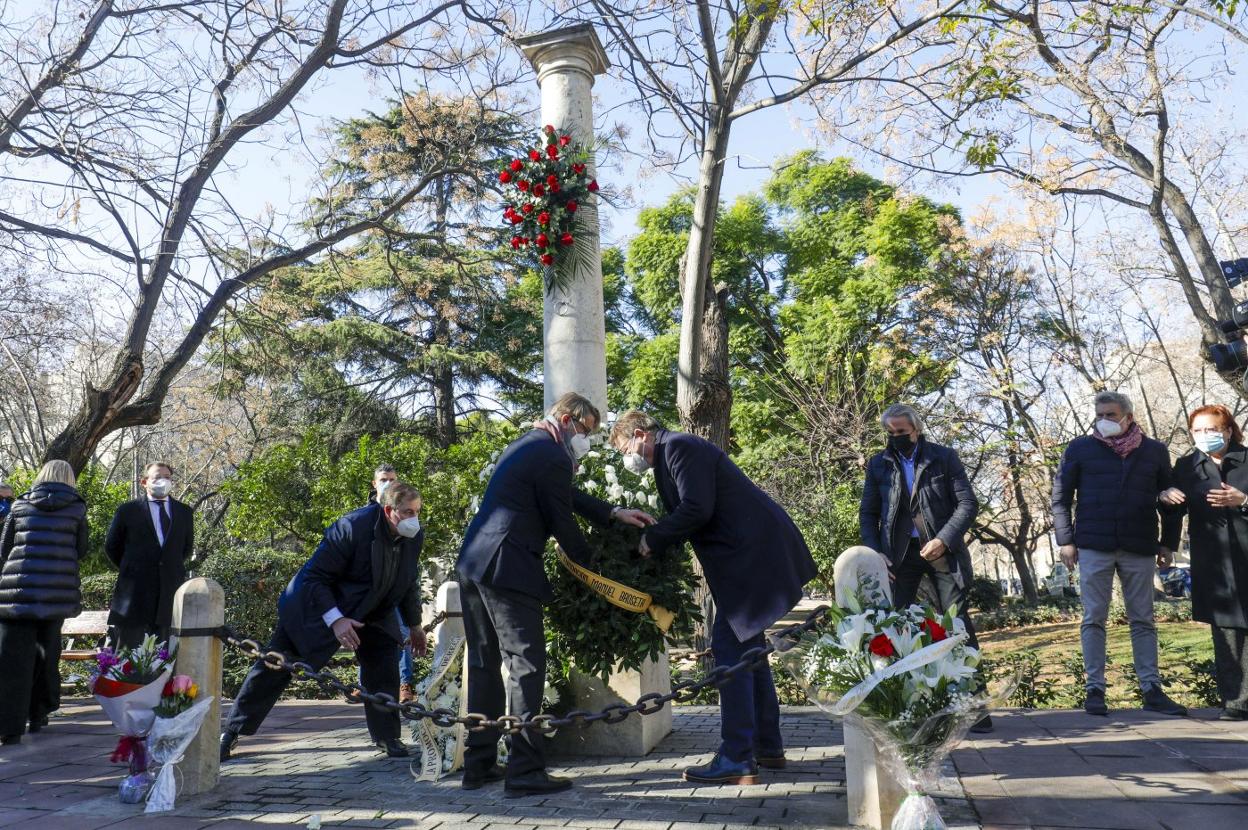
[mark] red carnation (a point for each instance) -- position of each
(547, 259)
(542, 240)
(882, 646)
(593, 186)
(535, 155)
(504, 177)
(543, 218)
(516, 165)
(538, 190)
(522, 186)
(527, 209)
(516, 242)
(565, 140)
(552, 151)
(552, 179)
(935, 629)
(570, 207)
(549, 130)
(566, 239)
(579, 168)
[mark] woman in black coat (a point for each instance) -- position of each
(41, 544)
(1211, 487)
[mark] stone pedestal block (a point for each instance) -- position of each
(635, 736)
(872, 794)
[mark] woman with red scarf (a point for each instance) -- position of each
(1112, 478)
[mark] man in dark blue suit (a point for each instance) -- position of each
(503, 586)
(345, 596)
(755, 562)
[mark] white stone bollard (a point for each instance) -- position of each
(873, 796)
(200, 603)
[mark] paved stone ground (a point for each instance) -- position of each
(1133, 771)
(312, 759)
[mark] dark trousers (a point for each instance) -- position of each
(749, 710)
(378, 656)
(504, 626)
(130, 635)
(1230, 660)
(910, 572)
(30, 677)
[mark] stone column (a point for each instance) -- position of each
(574, 330)
(200, 603)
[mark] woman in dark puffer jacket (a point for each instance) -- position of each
(42, 541)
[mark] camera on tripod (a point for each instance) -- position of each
(1233, 354)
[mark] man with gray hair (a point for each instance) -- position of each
(917, 505)
(1112, 479)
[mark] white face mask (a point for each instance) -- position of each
(579, 445)
(159, 488)
(408, 528)
(1108, 428)
(636, 463)
(381, 487)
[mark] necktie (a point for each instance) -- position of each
(165, 520)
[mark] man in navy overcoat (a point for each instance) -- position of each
(755, 562)
(345, 596)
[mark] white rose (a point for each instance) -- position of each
(654, 500)
(615, 492)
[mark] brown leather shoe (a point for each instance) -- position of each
(406, 695)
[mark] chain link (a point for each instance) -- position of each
(647, 704)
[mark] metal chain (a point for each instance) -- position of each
(647, 704)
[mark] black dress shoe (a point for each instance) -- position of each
(1094, 702)
(474, 780)
(36, 725)
(228, 741)
(393, 747)
(982, 726)
(723, 770)
(1233, 714)
(9, 740)
(1156, 700)
(535, 783)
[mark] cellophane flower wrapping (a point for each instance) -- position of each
(905, 676)
(167, 743)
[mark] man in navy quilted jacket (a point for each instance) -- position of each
(1112, 478)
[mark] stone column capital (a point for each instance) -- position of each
(570, 49)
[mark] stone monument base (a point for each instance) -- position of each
(635, 736)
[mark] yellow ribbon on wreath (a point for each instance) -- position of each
(618, 594)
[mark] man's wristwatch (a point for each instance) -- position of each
(615, 511)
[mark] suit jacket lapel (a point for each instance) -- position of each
(145, 508)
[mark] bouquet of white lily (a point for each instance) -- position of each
(905, 676)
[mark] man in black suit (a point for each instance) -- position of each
(345, 596)
(149, 541)
(755, 562)
(503, 585)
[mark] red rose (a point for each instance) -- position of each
(538, 190)
(549, 130)
(168, 690)
(547, 259)
(579, 168)
(566, 239)
(565, 140)
(552, 151)
(593, 186)
(522, 186)
(516, 242)
(570, 207)
(882, 646)
(516, 219)
(542, 240)
(527, 209)
(535, 155)
(552, 179)
(554, 188)
(543, 218)
(516, 165)
(935, 629)
(504, 177)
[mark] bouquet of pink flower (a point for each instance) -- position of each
(178, 720)
(129, 684)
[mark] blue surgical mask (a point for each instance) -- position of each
(1210, 442)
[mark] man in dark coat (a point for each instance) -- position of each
(1112, 478)
(345, 597)
(503, 586)
(755, 562)
(6, 502)
(149, 541)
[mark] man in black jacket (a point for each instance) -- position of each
(755, 562)
(1113, 478)
(345, 596)
(149, 541)
(503, 585)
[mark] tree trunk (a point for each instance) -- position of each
(1025, 575)
(444, 406)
